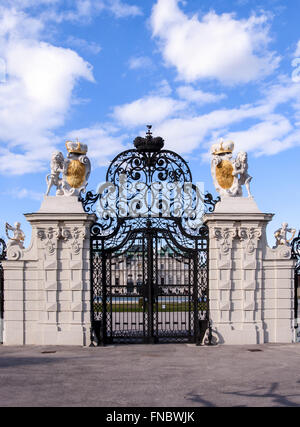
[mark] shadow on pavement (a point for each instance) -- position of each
(277, 398)
(198, 399)
(12, 362)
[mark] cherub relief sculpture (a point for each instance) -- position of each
(281, 235)
(229, 175)
(18, 235)
(69, 175)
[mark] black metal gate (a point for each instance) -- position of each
(149, 250)
(2, 257)
(296, 255)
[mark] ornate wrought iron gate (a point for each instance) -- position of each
(149, 249)
(2, 257)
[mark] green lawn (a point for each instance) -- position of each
(138, 308)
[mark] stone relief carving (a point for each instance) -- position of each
(79, 235)
(66, 234)
(14, 253)
(285, 252)
(76, 235)
(250, 237)
(69, 176)
(229, 175)
(52, 235)
(224, 236)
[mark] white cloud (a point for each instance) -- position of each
(162, 89)
(264, 131)
(84, 45)
(82, 11)
(147, 110)
(103, 142)
(38, 79)
(138, 62)
(28, 3)
(270, 136)
(36, 97)
(217, 46)
(122, 10)
(198, 96)
(24, 193)
(186, 134)
(283, 92)
(15, 23)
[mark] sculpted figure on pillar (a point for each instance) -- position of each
(18, 235)
(229, 174)
(57, 167)
(281, 235)
(69, 175)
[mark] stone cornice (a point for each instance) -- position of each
(68, 217)
(233, 217)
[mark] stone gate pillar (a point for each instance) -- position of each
(47, 286)
(251, 286)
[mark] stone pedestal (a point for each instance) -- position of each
(251, 286)
(47, 286)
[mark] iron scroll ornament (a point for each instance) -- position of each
(296, 250)
(2, 250)
(158, 185)
(160, 175)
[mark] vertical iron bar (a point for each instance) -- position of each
(111, 294)
(144, 288)
(190, 297)
(150, 337)
(296, 280)
(103, 333)
(196, 295)
(92, 267)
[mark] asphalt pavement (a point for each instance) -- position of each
(164, 375)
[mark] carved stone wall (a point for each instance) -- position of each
(47, 291)
(251, 285)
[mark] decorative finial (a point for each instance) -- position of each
(149, 133)
(148, 144)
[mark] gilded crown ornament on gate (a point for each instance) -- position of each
(229, 174)
(69, 175)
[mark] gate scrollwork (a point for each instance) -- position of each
(149, 228)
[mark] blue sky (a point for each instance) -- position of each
(101, 70)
